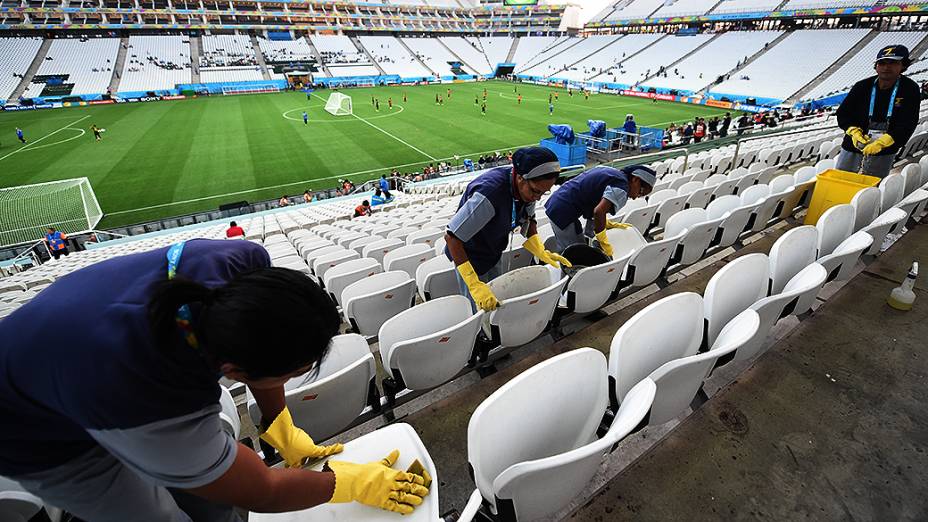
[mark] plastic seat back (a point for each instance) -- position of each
(528, 298)
(866, 203)
(324, 263)
(840, 263)
(436, 278)
(368, 303)
(341, 276)
(892, 188)
(430, 343)
(881, 226)
(378, 249)
(912, 176)
(834, 226)
(648, 340)
(425, 235)
(408, 258)
(228, 415)
(733, 289)
(791, 253)
(591, 287)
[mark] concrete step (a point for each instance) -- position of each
(259, 57)
(195, 45)
(360, 47)
(119, 66)
(512, 50)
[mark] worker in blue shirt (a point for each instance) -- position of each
(56, 242)
(492, 207)
(305, 118)
(385, 187)
(592, 195)
(118, 419)
(630, 128)
(19, 135)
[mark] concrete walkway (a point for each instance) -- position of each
(829, 424)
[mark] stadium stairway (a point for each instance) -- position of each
(512, 49)
(319, 61)
(416, 56)
(598, 49)
(684, 57)
(33, 68)
(918, 51)
(357, 43)
(119, 66)
(852, 52)
(716, 6)
(750, 59)
(456, 56)
(629, 57)
(563, 46)
(259, 57)
(195, 46)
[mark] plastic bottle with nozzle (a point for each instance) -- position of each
(903, 296)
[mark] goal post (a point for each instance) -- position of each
(25, 211)
(338, 104)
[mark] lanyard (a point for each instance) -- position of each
(184, 317)
(892, 100)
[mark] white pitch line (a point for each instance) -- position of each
(24, 147)
(404, 142)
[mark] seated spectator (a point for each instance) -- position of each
(284, 202)
(235, 231)
(307, 196)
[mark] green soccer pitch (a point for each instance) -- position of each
(169, 158)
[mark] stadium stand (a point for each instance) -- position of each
(763, 77)
(716, 58)
(228, 58)
(635, 9)
(746, 6)
(609, 57)
(667, 50)
(685, 8)
(533, 48)
(570, 55)
(16, 54)
(435, 56)
(156, 62)
(861, 64)
(83, 65)
(341, 56)
(496, 48)
(393, 57)
(468, 53)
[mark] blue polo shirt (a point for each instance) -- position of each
(79, 369)
(487, 214)
(580, 195)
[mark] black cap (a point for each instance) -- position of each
(534, 162)
(893, 52)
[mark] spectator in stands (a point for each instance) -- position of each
(724, 125)
(879, 115)
(592, 195)
(120, 421)
(713, 127)
(699, 130)
(744, 123)
(235, 230)
(307, 196)
(284, 201)
(385, 187)
(56, 242)
(687, 133)
(493, 205)
(364, 209)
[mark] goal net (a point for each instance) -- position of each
(68, 205)
(248, 89)
(338, 104)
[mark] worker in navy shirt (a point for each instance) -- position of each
(110, 378)
(879, 115)
(492, 207)
(592, 195)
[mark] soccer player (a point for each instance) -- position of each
(483, 108)
(436, 98)
(305, 118)
(390, 103)
(555, 95)
(520, 99)
(449, 93)
(377, 105)
(19, 135)
(550, 98)
(550, 109)
(441, 101)
(586, 94)
(476, 100)
(96, 132)
(372, 101)
(404, 97)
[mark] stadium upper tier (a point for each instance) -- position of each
(626, 10)
(737, 64)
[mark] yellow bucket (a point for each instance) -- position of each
(835, 187)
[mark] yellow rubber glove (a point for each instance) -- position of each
(377, 484)
(858, 138)
(604, 243)
(294, 444)
(614, 224)
(479, 291)
(876, 146)
(533, 245)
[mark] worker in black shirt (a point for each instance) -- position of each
(879, 115)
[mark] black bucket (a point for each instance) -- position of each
(582, 256)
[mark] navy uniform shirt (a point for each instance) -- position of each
(580, 195)
(485, 216)
(855, 109)
(79, 368)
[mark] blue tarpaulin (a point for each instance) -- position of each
(563, 134)
(597, 128)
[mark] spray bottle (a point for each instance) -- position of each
(902, 297)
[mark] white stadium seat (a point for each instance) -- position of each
(591, 287)
(408, 258)
(866, 204)
(437, 278)
(840, 263)
(368, 303)
(697, 230)
(341, 276)
(790, 254)
(528, 298)
(834, 226)
(882, 226)
(733, 289)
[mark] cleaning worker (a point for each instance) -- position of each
(116, 417)
(592, 195)
(879, 115)
(492, 207)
